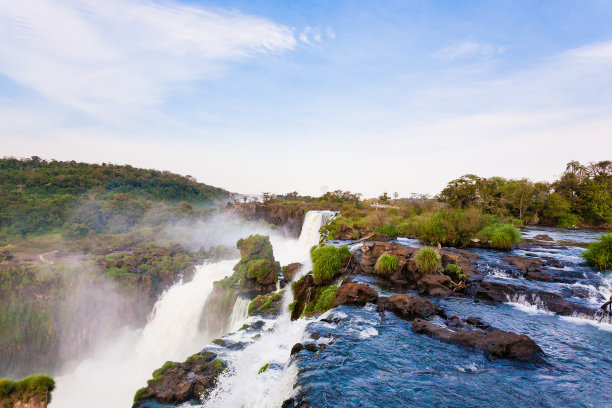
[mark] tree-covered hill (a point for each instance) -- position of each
(38, 195)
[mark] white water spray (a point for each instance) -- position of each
(241, 386)
(111, 376)
(239, 313)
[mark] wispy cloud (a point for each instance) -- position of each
(107, 58)
(470, 48)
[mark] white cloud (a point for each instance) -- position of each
(470, 48)
(110, 58)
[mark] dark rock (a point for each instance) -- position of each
(539, 276)
(177, 383)
(355, 294)
(305, 291)
(410, 306)
(297, 347)
(291, 270)
(435, 285)
(543, 237)
(523, 263)
(311, 347)
(379, 237)
(498, 343)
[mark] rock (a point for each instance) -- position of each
(409, 306)
(434, 285)
(311, 347)
(355, 294)
(304, 291)
(177, 383)
(379, 237)
(297, 347)
(257, 267)
(348, 233)
(543, 237)
(498, 343)
(291, 270)
(539, 276)
(289, 217)
(523, 263)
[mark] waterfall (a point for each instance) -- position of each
(241, 386)
(239, 313)
(111, 376)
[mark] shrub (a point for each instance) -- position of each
(326, 263)
(568, 220)
(599, 253)
(455, 271)
(385, 264)
(323, 301)
(427, 260)
(451, 227)
(500, 236)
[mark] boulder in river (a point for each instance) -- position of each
(543, 237)
(497, 343)
(408, 306)
(435, 285)
(177, 383)
(351, 293)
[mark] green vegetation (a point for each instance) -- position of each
(451, 227)
(263, 368)
(257, 262)
(599, 253)
(219, 342)
(500, 236)
(327, 261)
(139, 394)
(385, 264)
(244, 327)
(36, 386)
(583, 195)
(38, 196)
(158, 374)
(428, 260)
(266, 303)
(323, 300)
(455, 272)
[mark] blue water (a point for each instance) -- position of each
(375, 360)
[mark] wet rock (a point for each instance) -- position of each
(379, 237)
(497, 343)
(291, 270)
(304, 291)
(539, 276)
(355, 294)
(177, 383)
(297, 347)
(543, 237)
(476, 322)
(435, 285)
(311, 347)
(409, 306)
(523, 263)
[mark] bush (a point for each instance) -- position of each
(323, 301)
(427, 260)
(385, 264)
(599, 253)
(455, 271)
(500, 236)
(326, 262)
(568, 220)
(451, 227)
(37, 385)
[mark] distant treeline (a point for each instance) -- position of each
(581, 196)
(38, 195)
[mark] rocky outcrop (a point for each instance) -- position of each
(543, 237)
(268, 305)
(407, 306)
(304, 291)
(504, 292)
(30, 392)
(350, 293)
(290, 217)
(290, 271)
(177, 383)
(523, 263)
(497, 343)
(435, 285)
(407, 271)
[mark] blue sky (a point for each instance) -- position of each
(285, 95)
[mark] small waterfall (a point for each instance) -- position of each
(241, 386)
(111, 376)
(239, 313)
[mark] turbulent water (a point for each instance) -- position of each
(110, 377)
(371, 360)
(376, 360)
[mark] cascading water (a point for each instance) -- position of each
(241, 385)
(239, 313)
(112, 375)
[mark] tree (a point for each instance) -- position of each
(384, 198)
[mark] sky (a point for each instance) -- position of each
(310, 96)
